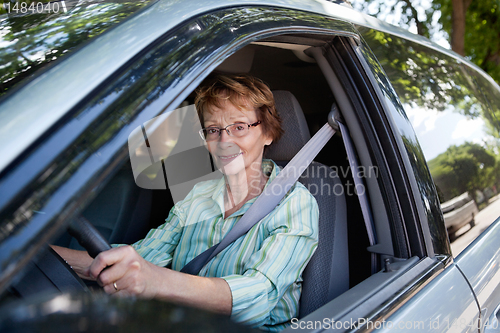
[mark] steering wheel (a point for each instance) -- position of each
(51, 273)
(96, 312)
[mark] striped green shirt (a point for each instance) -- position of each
(263, 268)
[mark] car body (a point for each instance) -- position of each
(75, 127)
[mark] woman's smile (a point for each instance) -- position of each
(229, 157)
(225, 159)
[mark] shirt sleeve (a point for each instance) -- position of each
(271, 279)
(159, 244)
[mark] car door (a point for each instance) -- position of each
(452, 111)
(430, 294)
(83, 109)
(82, 119)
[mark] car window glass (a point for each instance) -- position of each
(32, 37)
(451, 118)
(492, 102)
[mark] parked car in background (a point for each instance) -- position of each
(459, 212)
(96, 123)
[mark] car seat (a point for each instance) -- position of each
(327, 274)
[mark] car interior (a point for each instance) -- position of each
(126, 208)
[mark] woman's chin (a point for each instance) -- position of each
(234, 167)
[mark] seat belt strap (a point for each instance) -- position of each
(358, 183)
(268, 199)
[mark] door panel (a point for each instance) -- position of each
(447, 304)
(480, 264)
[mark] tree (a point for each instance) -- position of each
(465, 168)
(458, 22)
(478, 35)
(472, 27)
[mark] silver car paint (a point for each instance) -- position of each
(480, 264)
(446, 304)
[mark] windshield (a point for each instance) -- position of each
(34, 34)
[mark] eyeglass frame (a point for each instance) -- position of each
(257, 123)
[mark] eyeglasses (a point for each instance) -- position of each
(237, 130)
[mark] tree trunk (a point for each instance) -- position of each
(458, 25)
(420, 26)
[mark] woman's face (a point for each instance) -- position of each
(236, 155)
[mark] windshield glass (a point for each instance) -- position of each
(34, 34)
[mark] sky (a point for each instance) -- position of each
(436, 131)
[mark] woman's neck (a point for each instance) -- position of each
(242, 187)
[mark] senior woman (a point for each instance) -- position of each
(257, 278)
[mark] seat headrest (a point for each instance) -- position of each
(296, 133)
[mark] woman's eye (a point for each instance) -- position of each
(212, 130)
(239, 127)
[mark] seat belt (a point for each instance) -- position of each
(358, 181)
(268, 200)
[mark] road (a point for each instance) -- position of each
(484, 218)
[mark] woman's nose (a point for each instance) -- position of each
(224, 136)
(225, 141)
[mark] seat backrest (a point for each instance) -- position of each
(327, 274)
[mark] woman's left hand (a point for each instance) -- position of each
(123, 271)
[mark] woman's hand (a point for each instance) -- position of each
(123, 271)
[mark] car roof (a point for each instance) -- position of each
(31, 110)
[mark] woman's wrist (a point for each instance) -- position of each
(79, 261)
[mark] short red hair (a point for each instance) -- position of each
(242, 91)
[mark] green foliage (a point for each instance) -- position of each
(465, 168)
(482, 32)
(423, 77)
(482, 28)
(406, 9)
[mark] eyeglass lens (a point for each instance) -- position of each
(213, 133)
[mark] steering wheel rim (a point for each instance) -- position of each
(51, 273)
(88, 236)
